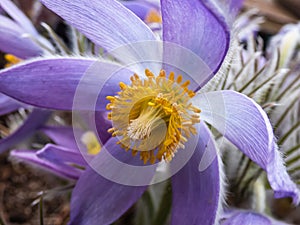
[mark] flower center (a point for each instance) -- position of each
(153, 116)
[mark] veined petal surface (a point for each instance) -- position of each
(197, 194)
(99, 21)
(244, 123)
(195, 26)
(52, 83)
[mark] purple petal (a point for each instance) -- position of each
(197, 194)
(238, 217)
(97, 200)
(107, 23)
(247, 218)
(59, 154)
(63, 136)
(191, 24)
(102, 125)
(8, 105)
(53, 83)
(11, 40)
(60, 169)
(18, 16)
(35, 120)
(246, 125)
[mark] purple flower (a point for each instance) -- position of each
(198, 27)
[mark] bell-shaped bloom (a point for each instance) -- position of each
(141, 106)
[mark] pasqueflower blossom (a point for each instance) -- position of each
(141, 105)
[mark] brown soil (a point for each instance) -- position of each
(19, 188)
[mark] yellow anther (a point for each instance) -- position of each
(195, 109)
(171, 76)
(149, 73)
(110, 98)
(111, 130)
(11, 60)
(109, 116)
(179, 79)
(191, 93)
(122, 86)
(162, 73)
(109, 106)
(185, 84)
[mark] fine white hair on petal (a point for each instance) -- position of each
(222, 193)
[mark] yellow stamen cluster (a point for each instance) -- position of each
(11, 60)
(153, 116)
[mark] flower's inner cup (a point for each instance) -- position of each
(153, 116)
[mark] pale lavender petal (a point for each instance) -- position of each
(237, 217)
(247, 218)
(53, 83)
(60, 169)
(279, 179)
(11, 40)
(60, 154)
(197, 194)
(107, 23)
(194, 26)
(18, 16)
(246, 125)
(97, 200)
(63, 136)
(8, 104)
(35, 120)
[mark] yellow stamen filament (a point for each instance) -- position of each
(153, 117)
(11, 60)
